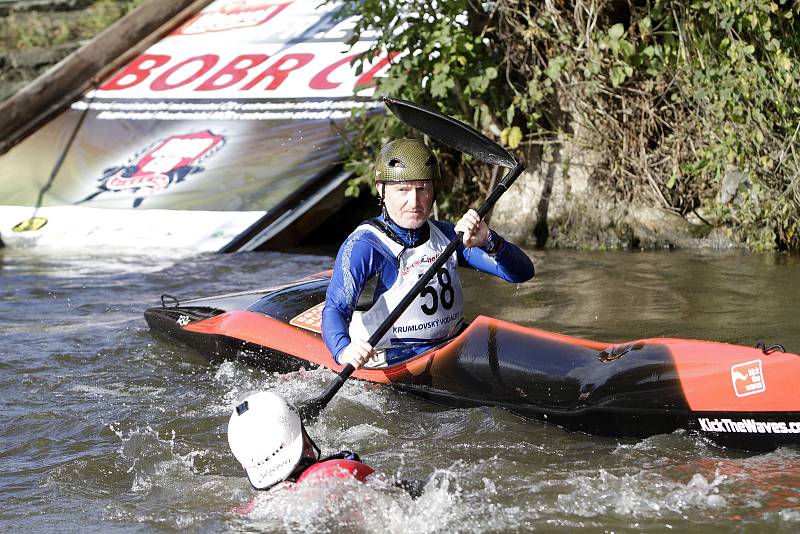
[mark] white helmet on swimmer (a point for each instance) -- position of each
(266, 435)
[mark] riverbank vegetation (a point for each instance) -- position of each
(37, 34)
(76, 21)
(691, 106)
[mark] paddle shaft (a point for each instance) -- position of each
(387, 323)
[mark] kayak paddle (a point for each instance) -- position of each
(453, 133)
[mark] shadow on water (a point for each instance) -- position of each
(109, 428)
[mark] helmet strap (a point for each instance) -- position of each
(307, 440)
(305, 460)
(381, 203)
(381, 195)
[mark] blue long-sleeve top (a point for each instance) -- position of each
(363, 256)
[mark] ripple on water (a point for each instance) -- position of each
(645, 494)
(108, 427)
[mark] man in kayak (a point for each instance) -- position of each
(397, 247)
(267, 437)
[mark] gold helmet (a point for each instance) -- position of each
(404, 160)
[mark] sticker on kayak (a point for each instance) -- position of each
(750, 426)
(310, 319)
(748, 378)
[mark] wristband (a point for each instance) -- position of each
(493, 243)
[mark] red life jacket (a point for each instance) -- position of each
(336, 468)
(332, 468)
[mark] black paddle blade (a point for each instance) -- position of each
(310, 409)
(450, 132)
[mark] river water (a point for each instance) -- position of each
(107, 428)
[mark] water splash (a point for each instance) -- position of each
(641, 495)
(377, 506)
(153, 460)
(168, 485)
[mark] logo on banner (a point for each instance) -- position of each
(748, 378)
(164, 163)
(232, 16)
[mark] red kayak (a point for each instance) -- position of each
(735, 396)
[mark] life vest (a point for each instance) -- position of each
(336, 468)
(436, 314)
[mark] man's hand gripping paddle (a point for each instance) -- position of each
(455, 134)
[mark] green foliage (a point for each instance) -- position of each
(448, 65)
(668, 96)
(744, 97)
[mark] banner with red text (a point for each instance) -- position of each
(236, 109)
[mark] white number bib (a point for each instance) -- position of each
(436, 314)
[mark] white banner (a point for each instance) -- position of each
(251, 50)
